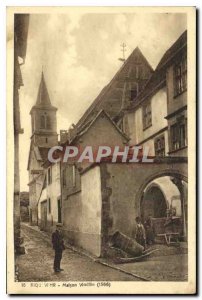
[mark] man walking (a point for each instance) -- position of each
(58, 246)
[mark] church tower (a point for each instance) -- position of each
(43, 117)
(44, 136)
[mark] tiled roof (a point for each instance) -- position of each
(110, 98)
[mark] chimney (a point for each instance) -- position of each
(63, 136)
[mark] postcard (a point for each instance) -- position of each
(101, 165)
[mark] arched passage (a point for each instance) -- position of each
(154, 203)
(160, 203)
(167, 172)
(124, 186)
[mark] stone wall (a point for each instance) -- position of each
(82, 214)
(122, 188)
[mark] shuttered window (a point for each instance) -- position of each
(180, 76)
(147, 115)
(159, 146)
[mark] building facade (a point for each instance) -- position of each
(21, 25)
(81, 193)
(158, 117)
(49, 204)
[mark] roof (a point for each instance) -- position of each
(115, 86)
(40, 153)
(173, 50)
(43, 98)
(89, 125)
(43, 153)
(158, 78)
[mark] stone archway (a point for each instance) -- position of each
(123, 184)
(150, 178)
(153, 202)
(177, 178)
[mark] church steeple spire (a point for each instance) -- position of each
(43, 116)
(43, 98)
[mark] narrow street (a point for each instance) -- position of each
(37, 263)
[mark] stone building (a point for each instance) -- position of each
(21, 25)
(93, 200)
(151, 120)
(158, 119)
(177, 97)
(82, 206)
(49, 202)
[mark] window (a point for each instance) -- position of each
(49, 176)
(178, 135)
(49, 205)
(159, 146)
(69, 176)
(180, 76)
(147, 117)
(64, 179)
(45, 122)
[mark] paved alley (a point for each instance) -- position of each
(37, 263)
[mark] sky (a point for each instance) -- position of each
(79, 55)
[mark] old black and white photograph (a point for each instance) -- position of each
(101, 113)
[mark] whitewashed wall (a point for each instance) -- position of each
(135, 121)
(51, 191)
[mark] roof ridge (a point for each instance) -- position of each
(109, 85)
(85, 129)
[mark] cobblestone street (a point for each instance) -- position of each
(37, 264)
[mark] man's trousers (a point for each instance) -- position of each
(58, 257)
